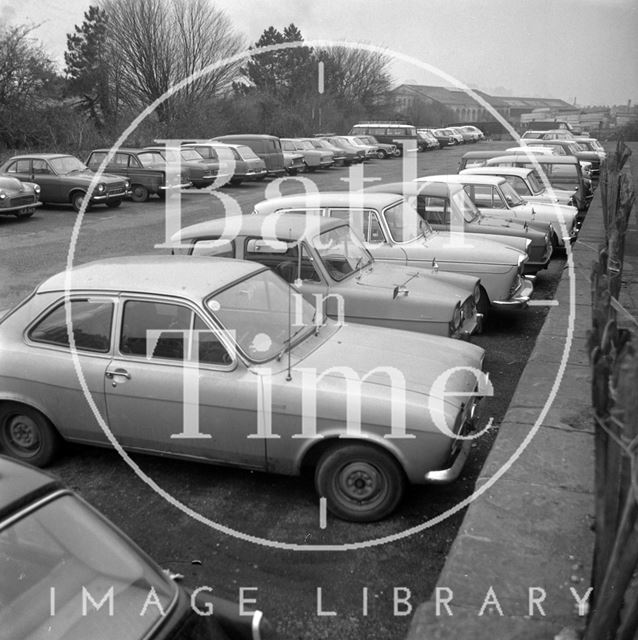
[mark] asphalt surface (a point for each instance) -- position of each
(281, 509)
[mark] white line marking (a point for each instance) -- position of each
(322, 513)
(542, 303)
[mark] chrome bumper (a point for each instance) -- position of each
(443, 476)
(519, 298)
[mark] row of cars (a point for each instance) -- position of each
(29, 180)
(420, 263)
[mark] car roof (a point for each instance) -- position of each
(245, 136)
(484, 154)
(20, 485)
(333, 199)
(290, 227)
(437, 189)
(509, 171)
(43, 156)
(461, 179)
(541, 159)
(181, 276)
(124, 149)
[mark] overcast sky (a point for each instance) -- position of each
(578, 50)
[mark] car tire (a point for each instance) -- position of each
(292, 172)
(113, 204)
(27, 435)
(235, 182)
(25, 214)
(139, 193)
(381, 154)
(361, 483)
(77, 199)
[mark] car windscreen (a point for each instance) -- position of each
(511, 197)
(66, 164)
(190, 154)
(255, 312)
(65, 569)
(404, 222)
(341, 252)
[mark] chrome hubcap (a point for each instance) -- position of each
(359, 481)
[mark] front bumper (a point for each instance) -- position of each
(519, 297)
(119, 194)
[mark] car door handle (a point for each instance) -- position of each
(118, 372)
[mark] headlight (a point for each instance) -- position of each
(100, 188)
(477, 294)
(2, 195)
(456, 319)
(36, 188)
(127, 185)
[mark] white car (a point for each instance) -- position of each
(495, 196)
(527, 183)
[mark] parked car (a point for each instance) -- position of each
(134, 320)
(398, 133)
(427, 140)
(293, 161)
(475, 131)
(466, 136)
(17, 198)
(479, 158)
(495, 196)
(325, 258)
(591, 144)
(56, 548)
(448, 208)
(445, 137)
(237, 162)
(341, 156)
(371, 150)
(313, 159)
(343, 143)
(394, 232)
(64, 179)
(384, 150)
(571, 148)
(268, 148)
(563, 172)
(200, 172)
(527, 183)
(552, 134)
(146, 172)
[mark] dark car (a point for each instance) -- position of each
(572, 148)
(201, 173)
(146, 172)
(268, 148)
(237, 162)
(64, 179)
(55, 549)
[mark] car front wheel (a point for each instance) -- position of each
(361, 483)
(27, 435)
(139, 193)
(77, 199)
(381, 154)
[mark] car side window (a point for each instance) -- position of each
(91, 321)
(372, 231)
(214, 247)
(433, 210)
(520, 186)
(209, 347)
(95, 159)
(283, 259)
(154, 329)
(41, 168)
(120, 159)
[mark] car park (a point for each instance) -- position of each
(394, 233)
(145, 172)
(447, 208)
(267, 147)
(562, 172)
(140, 324)
(64, 179)
(401, 134)
(58, 553)
(527, 183)
(324, 258)
(495, 196)
(237, 162)
(313, 159)
(18, 198)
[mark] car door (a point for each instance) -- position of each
(175, 386)
(54, 187)
(52, 369)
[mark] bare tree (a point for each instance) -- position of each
(158, 43)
